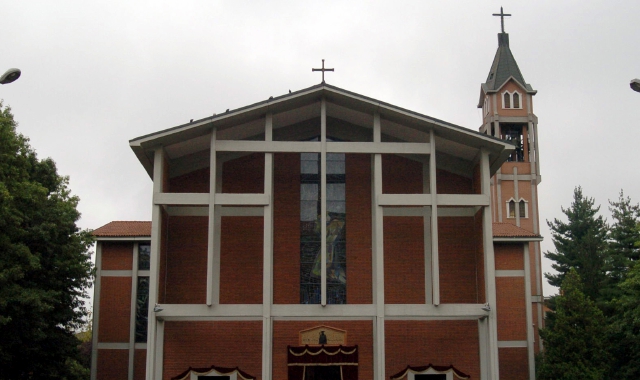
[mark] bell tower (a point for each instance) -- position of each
(506, 100)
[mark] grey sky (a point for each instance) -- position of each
(98, 73)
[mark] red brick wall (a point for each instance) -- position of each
(113, 364)
(186, 266)
(241, 260)
(477, 180)
(139, 364)
(401, 175)
(457, 250)
(244, 174)
(358, 333)
(418, 343)
(403, 259)
(286, 233)
(195, 182)
(511, 309)
(115, 309)
(117, 256)
(203, 344)
(449, 183)
(359, 253)
(509, 256)
(514, 363)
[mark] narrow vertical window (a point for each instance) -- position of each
(144, 254)
(507, 100)
(516, 100)
(512, 209)
(523, 208)
(142, 309)
(336, 229)
(310, 240)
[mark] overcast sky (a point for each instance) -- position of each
(96, 74)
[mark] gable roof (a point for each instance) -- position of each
(503, 69)
(197, 130)
(124, 229)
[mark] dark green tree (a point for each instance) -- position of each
(625, 328)
(575, 345)
(623, 237)
(45, 265)
(580, 243)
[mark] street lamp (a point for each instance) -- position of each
(635, 85)
(10, 76)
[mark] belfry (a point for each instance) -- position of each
(324, 234)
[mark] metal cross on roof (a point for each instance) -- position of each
(322, 69)
(502, 14)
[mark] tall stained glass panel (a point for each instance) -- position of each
(310, 231)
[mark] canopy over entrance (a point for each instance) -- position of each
(305, 360)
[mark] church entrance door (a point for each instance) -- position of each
(318, 372)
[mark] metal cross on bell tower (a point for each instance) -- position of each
(502, 14)
(322, 69)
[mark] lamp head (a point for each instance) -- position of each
(635, 85)
(10, 76)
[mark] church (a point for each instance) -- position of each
(324, 234)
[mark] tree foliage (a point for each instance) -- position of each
(580, 243)
(45, 265)
(624, 237)
(625, 328)
(575, 344)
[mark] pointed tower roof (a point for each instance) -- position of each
(504, 67)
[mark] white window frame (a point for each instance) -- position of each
(510, 94)
(517, 204)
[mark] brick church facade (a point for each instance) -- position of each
(326, 234)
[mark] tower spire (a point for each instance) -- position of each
(502, 14)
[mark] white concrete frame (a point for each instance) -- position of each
(212, 310)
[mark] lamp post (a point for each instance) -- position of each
(9, 76)
(635, 85)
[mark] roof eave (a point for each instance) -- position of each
(499, 149)
(517, 239)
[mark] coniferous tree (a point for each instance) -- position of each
(625, 328)
(45, 266)
(623, 237)
(580, 243)
(575, 344)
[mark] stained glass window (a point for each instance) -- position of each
(142, 309)
(310, 238)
